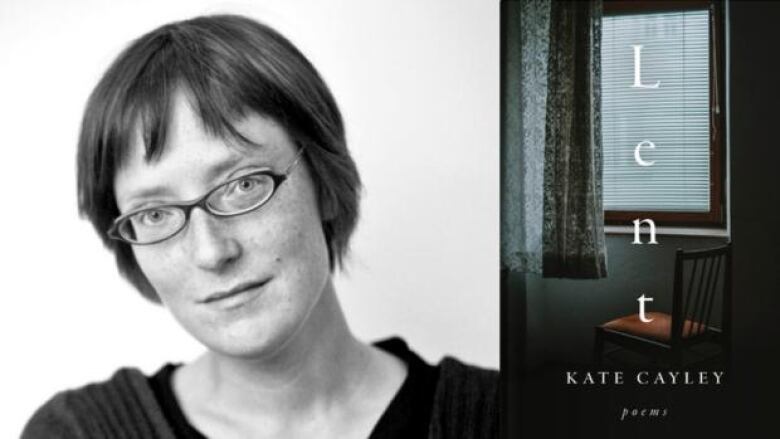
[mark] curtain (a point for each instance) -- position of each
(552, 214)
(524, 99)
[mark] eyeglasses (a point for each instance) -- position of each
(236, 196)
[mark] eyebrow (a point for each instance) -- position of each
(219, 169)
(213, 172)
(136, 199)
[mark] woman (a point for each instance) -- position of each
(212, 162)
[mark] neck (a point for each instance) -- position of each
(314, 369)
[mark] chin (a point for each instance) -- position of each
(250, 338)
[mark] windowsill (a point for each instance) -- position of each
(677, 231)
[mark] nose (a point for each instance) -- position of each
(211, 247)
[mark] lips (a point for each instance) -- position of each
(238, 289)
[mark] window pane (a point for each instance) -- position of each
(674, 117)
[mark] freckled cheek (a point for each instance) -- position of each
(279, 245)
(287, 228)
(297, 251)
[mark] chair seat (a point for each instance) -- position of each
(660, 328)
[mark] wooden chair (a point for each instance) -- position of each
(700, 277)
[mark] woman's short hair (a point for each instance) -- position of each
(228, 66)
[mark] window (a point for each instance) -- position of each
(661, 113)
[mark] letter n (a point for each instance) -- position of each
(637, 224)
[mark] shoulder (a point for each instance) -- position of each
(466, 402)
(465, 398)
(111, 408)
(473, 380)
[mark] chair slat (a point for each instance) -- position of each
(716, 277)
(702, 297)
(686, 294)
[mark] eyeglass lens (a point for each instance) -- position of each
(232, 198)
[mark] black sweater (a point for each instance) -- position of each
(465, 405)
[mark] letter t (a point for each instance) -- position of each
(642, 299)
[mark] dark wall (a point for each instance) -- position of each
(755, 167)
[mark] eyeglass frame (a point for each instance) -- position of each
(188, 206)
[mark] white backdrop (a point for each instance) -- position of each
(418, 84)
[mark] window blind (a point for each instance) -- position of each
(675, 116)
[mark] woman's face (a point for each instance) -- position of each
(275, 258)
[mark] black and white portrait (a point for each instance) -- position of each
(250, 219)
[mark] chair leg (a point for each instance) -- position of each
(598, 347)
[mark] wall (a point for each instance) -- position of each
(755, 214)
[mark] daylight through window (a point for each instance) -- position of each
(657, 86)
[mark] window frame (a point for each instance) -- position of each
(716, 217)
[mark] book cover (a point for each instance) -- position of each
(639, 267)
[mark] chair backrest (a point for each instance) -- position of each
(700, 277)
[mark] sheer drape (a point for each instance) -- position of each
(524, 97)
(552, 220)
